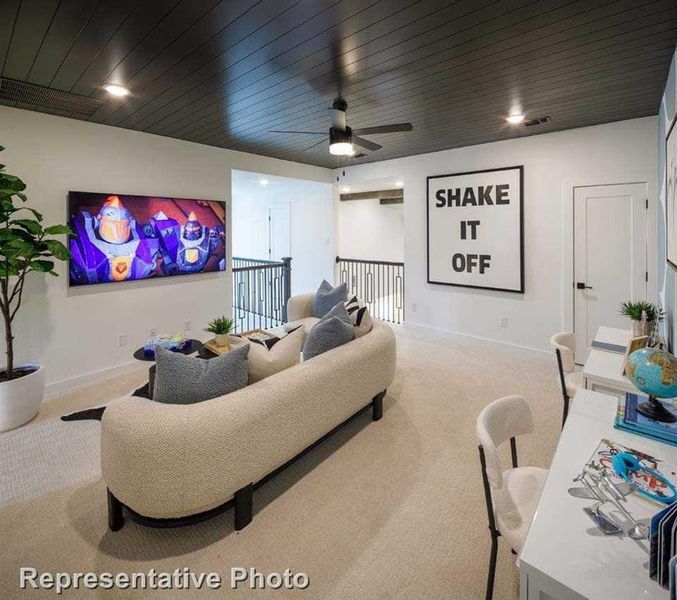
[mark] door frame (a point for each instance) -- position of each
(648, 178)
(280, 204)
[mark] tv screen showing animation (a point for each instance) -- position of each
(118, 237)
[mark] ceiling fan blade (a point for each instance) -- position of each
(394, 128)
(366, 143)
(314, 145)
(304, 132)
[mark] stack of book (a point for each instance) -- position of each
(628, 419)
(663, 547)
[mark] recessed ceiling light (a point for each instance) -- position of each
(515, 119)
(345, 189)
(399, 183)
(263, 182)
(116, 90)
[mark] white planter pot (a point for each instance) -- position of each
(20, 398)
(222, 339)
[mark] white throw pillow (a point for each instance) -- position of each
(359, 315)
(284, 353)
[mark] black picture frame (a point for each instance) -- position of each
(521, 236)
(671, 130)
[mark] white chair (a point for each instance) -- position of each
(570, 380)
(511, 495)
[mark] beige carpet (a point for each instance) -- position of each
(392, 509)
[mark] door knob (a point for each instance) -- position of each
(581, 286)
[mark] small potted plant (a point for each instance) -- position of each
(644, 315)
(221, 327)
(26, 246)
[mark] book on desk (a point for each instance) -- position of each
(630, 420)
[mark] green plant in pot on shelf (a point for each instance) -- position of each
(221, 327)
(644, 315)
(26, 246)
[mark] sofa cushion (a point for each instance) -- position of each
(360, 316)
(265, 360)
(327, 297)
(184, 379)
(308, 323)
(326, 335)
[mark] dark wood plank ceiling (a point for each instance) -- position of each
(225, 72)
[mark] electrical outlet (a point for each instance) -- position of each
(187, 325)
(504, 322)
(122, 340)
(414, 307)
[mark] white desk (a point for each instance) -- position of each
(613, 335)
(602, 372)
(564, 557)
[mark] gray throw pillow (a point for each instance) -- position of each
(184, 379)
(325, 335)
(339, 311)
(327, 297)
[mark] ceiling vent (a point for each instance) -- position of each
(538, 121)
(37, 97)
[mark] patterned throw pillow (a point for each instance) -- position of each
(359, 315)
(265, 359)
(325, 335)
(184, 379)
(327, 297)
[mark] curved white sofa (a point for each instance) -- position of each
(172, 464)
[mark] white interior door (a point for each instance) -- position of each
(610, 257)
(279, 232)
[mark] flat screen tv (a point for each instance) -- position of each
(119, 237)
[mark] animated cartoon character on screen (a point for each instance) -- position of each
(194, 245)
(110, 246)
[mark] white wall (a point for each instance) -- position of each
(311, 215)
(74, 333)
(553, 164)
(370, 230)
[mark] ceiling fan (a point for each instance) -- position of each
(342, 138)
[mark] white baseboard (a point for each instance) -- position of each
(57, 388)
(406, 325)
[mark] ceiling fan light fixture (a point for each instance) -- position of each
(342, 149)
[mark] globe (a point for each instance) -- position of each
(653, 371)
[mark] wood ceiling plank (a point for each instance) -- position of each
(216, 34)
(104, 23)
(9, 11)
(69, 21)
(501, 49)
(318, 34)
(555, 74)
(366, 19)
(148, 27)
(30, 28)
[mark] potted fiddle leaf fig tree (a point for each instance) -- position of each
(26, 246)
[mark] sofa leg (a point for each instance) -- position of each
(244, 506)
(377, 406)
(116, 518)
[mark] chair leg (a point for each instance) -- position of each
(492, 567)
(377, 406)
(244, 506)
(116, 518)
